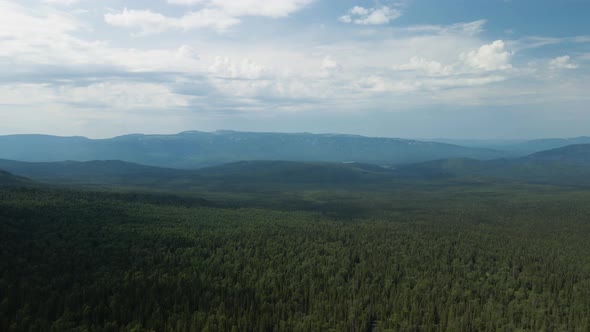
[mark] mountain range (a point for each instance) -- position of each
(563, 166)
(194, 149)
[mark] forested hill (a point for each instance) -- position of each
(198, 149)
(252, 173)
(563, 166)
(297, 172)
(8, 179)
(533, 146)
(94, 172)
(572, 154)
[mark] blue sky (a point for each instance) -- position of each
(412, 68)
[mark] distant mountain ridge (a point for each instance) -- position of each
(195, 149)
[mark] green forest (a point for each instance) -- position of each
(447, 257)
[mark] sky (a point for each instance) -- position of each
(482, 69)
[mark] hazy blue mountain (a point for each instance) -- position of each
(199, 149)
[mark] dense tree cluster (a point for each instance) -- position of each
(83, 261)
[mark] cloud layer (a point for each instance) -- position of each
(215, 14)
(370, 16)
(207, 60)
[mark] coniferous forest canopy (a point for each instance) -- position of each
(420, 256)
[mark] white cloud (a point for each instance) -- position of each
(186, 2)
(278, 70)
(215, 14)
(31, 40)
(224, 67)
(358, 10)
(264, 8)
(17, 22)
(121, 96)
(470, 28)
(150, 22)
(62, 2)
(370, 16)
(465, 28)
(380, 84)
(330, 65)
(430, 67)
(562, 62)
(115, 96)
(489, 57)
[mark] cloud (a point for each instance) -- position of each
(370, 16)
(62, 2)
(562, 62)
(262, 8)
(150, 22)
(52, 60)
(224, 67)
(116, 96)
(214, 14)
(467, 28)
(329, 65)
(121, 96)
(428, 66)
(470, 28)
(380, 84)
(187, 2)
(489, 57)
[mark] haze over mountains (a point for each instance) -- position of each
(563, 166)
(199, 149)
(194, 149)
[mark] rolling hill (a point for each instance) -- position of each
(538, 145)
(517, 148)
(8, 179)
(95, 172)
(578, 154)
(563, 166)
(249, 173)
(196, 149)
